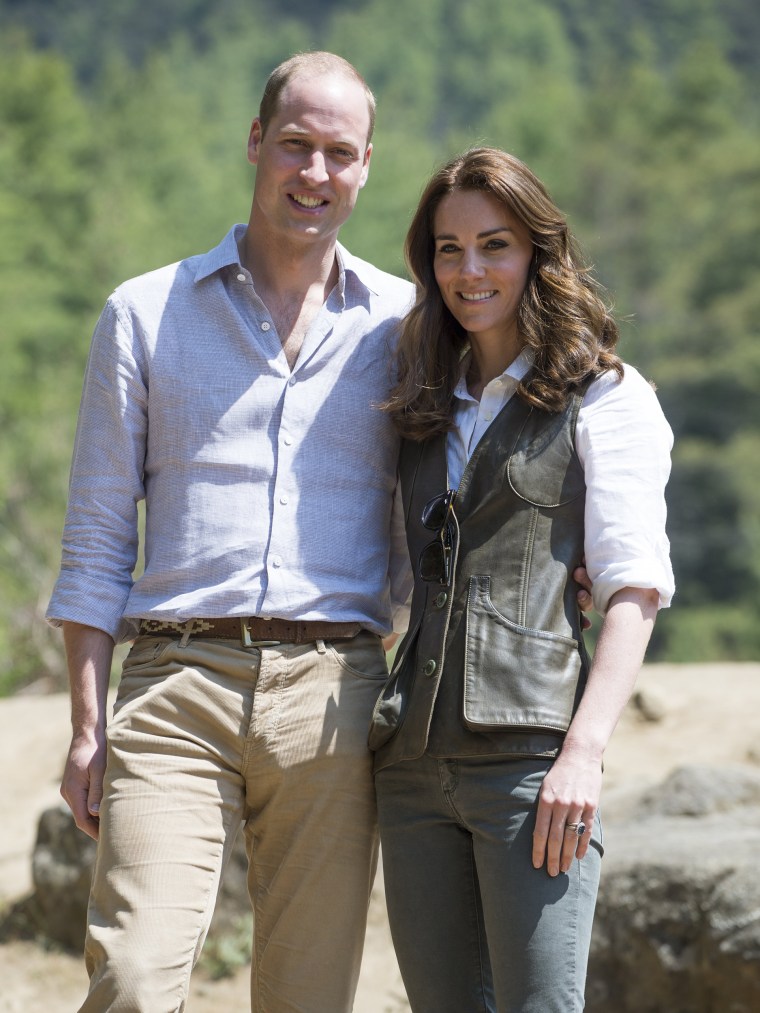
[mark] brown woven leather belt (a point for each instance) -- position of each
(252, 631)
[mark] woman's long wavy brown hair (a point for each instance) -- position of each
(561, 317)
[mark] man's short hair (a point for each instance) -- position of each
(313, 63)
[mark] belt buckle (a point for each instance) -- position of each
(245, 638)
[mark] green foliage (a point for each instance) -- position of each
(45, 163)
(227, 949)
(707, 633)
(122, 147)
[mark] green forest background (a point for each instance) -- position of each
(122, 147)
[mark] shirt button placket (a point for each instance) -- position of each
(281, 534)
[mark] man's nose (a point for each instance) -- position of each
(314, 171)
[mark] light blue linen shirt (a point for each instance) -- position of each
(268, 492)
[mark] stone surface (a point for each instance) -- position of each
(649, 705)
(677, 928)
(61, 871)
(699, 790)
(62, 864)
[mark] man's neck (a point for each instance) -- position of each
(292, 280)
(286, 269)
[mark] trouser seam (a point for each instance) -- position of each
(478, 928)
(576, 911)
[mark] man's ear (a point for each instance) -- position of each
(365, 167)
(254, 141)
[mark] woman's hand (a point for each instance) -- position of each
(569, 795)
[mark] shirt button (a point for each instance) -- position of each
(291, 381)
(241, 277)
(429, 667)
(276, 560)
(265, 326)
(284, 500)
(287, 440)
(440, 600)
(489, 416)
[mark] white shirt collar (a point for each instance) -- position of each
(514, 372)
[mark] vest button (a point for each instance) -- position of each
(440, 600)
(429, 667)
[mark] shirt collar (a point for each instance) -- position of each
(515, 371)
(354, 274)
(358, 271)
(226, 254)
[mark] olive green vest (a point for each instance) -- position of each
(493, 662)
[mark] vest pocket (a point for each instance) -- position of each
(515, 676)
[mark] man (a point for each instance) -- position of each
(234, 392)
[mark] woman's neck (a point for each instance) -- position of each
(489, 359)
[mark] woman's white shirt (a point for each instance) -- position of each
(623, 442)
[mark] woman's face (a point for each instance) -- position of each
(481, 261)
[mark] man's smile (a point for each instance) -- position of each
(307, 200)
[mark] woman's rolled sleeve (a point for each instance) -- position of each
(624, 441)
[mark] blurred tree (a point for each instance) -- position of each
(46, 159)
(122, 146)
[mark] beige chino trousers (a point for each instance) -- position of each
(204, 737)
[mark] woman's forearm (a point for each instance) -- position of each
(617, 660)
(570, 791)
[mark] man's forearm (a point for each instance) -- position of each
(89, 653)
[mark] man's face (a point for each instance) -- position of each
(313, 158)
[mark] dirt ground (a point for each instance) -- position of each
(685, 714)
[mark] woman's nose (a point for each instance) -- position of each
(471, 265)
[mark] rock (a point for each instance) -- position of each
(699, 790)
(62, 865)
(649, 705)
(677, 928)
(61, 871)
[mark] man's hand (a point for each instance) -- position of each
(390, 642)
(585, 601)
(82, 784)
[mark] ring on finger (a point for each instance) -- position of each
(579, 828)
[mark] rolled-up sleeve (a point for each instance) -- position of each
(623, 441)
(100, 537)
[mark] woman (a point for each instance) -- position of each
(527, 443)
